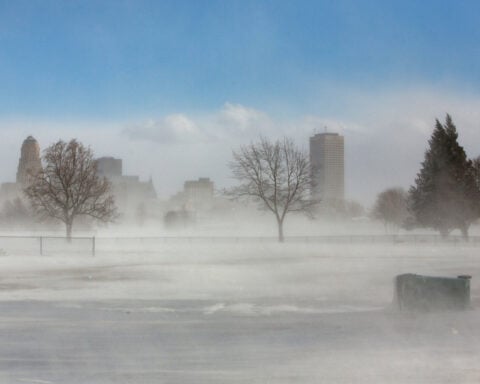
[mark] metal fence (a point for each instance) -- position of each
(57, 245)
(47, 245)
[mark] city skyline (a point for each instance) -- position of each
(193, 82)
(365, 176)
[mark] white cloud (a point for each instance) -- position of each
(231, 122)
(172, 129)
(236, 120)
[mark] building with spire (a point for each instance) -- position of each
(29, 163)
(132, 196)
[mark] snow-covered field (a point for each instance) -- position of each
(234, 313)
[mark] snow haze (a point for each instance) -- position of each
(233, 312)
(176, 293)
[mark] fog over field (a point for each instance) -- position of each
(196, 311)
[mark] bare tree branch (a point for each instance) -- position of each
(69, 186)
(277, 174)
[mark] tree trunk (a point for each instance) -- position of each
(69, 226)
(464, 231)
(281, 238)
(444, 233)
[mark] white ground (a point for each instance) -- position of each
(234, 313)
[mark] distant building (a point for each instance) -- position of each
(29, 163)
(133, 197)
(328, 169)
(10, 191)
(131, 194)
(197, 195)
(109, 167)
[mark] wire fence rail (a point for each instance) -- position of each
(92, 245)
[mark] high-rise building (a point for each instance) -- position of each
(29, 163)
(328, 170)
(109, 167)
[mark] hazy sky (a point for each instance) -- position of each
(173, 86)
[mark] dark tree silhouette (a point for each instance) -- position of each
(391, 207)
(445, 195)
(68, 186)
(276, 174)
(476, 169)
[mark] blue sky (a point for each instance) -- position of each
(122, 58)
(143, 74)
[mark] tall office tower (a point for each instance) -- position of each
(327, 162)
(109, 167)
(29, 163)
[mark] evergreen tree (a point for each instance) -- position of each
(476, 167)
(445, 196)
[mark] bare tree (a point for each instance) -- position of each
(277, 174)
(69, 186)
(391, 207)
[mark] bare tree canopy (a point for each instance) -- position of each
(277, 174)
(391, 207)
(68, 186)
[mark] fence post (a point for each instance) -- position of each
(93, 246)
(41, 246)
